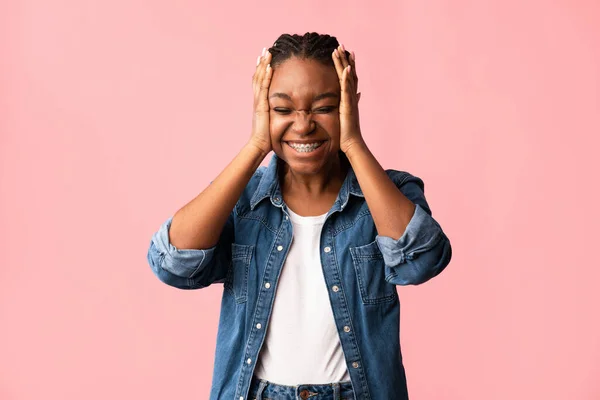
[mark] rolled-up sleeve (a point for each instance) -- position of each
(423, 250)
(188, 268)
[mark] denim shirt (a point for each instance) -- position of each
(360, 267)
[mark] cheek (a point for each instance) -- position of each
(277, 125)
(331, 123)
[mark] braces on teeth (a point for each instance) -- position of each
(305, 148)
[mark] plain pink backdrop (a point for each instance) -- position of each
(113, 114)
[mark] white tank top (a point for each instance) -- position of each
(302, 343)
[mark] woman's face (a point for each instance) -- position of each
(304, 96)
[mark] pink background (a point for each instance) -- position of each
(113, 114)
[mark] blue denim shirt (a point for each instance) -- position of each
(361, 269)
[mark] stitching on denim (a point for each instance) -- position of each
(243, 253)
(260, 298)
(346, 309)
(350, 224)
(366, 297)
(261, 220)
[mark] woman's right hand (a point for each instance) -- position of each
(261, 80)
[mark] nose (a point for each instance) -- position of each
(303, 122)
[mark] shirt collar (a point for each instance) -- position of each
(269, 186)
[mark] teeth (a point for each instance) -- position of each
(305, 148)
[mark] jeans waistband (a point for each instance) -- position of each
(261, 389)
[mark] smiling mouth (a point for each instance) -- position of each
(305, 148)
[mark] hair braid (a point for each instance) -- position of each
(311, 45)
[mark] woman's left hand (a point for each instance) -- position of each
(349, 123)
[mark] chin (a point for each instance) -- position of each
(304, 169)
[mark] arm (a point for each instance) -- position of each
(413, 244)
(391, 210)
(198, 224)
(191, 250)
(203, 229)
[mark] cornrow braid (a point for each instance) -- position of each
(311, 45)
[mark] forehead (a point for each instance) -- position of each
(298, 77)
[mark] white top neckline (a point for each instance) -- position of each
(308, 220)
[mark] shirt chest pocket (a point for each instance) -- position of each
(370, 273)
(236, 281)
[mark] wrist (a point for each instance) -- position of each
(354, 147)
(256, 149)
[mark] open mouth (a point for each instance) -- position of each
(306, 148)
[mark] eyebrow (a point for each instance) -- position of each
(326, 95)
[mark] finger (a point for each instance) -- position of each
(256, 72)
(261, 69)
(338, 64)
(261, 65)
(353, 63)
(342, 52)
(350, 85)
(263, 100)
(346, 60)
(346, 90)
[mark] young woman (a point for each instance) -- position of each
(309, 249)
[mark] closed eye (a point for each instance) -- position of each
(325, 110)
(321, 110)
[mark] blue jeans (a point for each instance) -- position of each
(261, 389)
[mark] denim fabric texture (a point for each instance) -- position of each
(261, 389)
(360, 267)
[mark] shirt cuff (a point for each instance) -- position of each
(181, 262)
(422, 234)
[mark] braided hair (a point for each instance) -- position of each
(311, 45)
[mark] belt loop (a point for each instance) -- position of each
(261, 388)
(336, 391)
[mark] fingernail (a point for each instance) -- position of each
(258, 60)
(335, 53)
(353, 56)
(343, 48)
(263, 51)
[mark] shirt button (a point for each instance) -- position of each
(335, 288)
(286, 217)
(327, 249)
(279, 248)
(267, 285)
(346, 328)
(249, 361)
(241, 397)
(355, 364)
(276, 199)
(258, 326)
